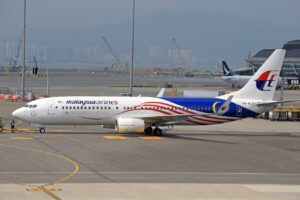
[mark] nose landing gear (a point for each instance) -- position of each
(42, 130)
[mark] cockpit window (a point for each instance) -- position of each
(30, 106)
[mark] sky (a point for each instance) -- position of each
(47, 17)
(77, 14)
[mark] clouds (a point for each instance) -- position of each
(76, 14)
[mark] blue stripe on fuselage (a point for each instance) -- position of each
(206, 105)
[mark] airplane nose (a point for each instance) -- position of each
(17, 113)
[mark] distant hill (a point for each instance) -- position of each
(207, 37)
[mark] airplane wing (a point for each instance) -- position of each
(225, 106)
(169, 118)
(161, 92)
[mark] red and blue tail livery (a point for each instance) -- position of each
(265, 80)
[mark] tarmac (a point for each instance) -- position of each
(241, 160)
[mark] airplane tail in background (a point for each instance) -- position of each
(262, 84)
(226, 70)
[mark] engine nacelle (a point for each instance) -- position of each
(125, 125)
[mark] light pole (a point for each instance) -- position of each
(132, 50)
(24, 53)
(47, 82)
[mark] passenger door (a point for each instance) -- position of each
(239, 111)
(51, 108)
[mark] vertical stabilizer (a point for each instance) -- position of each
(262, 84)
(226, 70)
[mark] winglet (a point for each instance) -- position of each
(161, 92)
(225, 106)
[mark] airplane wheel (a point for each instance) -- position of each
(148, 130)
(157, 132)
(42, 130)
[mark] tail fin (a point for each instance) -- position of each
(262, 84)
(226, 70)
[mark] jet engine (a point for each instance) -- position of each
(124, 125)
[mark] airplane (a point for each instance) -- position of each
(148, 114)
(238, 80)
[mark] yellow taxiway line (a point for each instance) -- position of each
(122, 137)
(21, 138)
(115, 137)
(151, 138)
(75, 165)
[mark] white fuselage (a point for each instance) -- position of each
(105, 110)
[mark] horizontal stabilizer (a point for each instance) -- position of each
(274, 103)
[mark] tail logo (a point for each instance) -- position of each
(265, 80)
(226, 69)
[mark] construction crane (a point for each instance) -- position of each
(14, 60)
(118, 61)
(179, 53)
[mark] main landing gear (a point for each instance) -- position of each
(42, 130)
(156, 131)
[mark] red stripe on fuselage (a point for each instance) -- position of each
(175, 111)
(173, 106)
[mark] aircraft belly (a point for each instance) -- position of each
(62, 119)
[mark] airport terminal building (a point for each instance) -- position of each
(291, 64)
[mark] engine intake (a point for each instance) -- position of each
(125, 125)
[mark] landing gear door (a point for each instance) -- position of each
(239, 111)
(51, 108)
